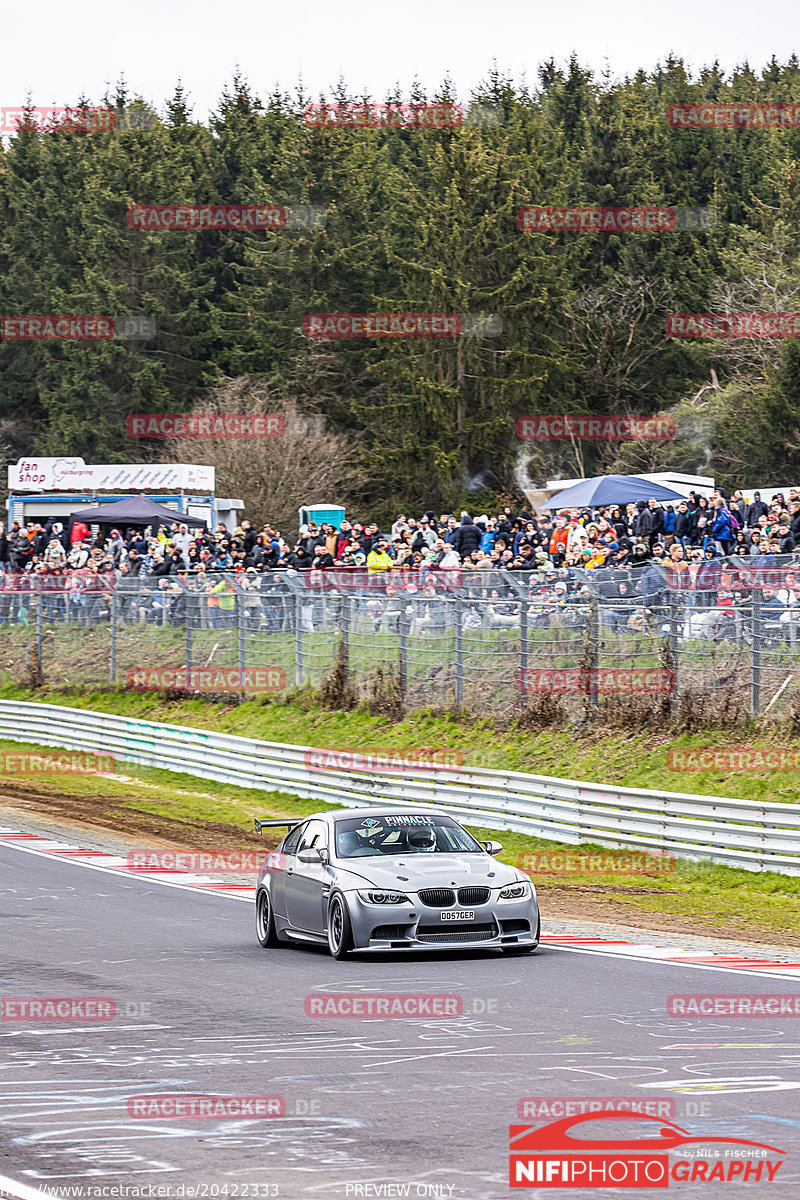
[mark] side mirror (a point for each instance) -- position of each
(492, 847)
(314, 855)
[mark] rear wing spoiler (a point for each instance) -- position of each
(259, 825)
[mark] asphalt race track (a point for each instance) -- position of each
(371, 1104)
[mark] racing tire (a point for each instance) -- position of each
(340, 931)
(518, 951)
(265, 920)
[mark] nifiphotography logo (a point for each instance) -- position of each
(654, 1152)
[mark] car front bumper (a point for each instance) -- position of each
(398, 927)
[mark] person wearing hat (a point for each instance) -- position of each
(425, 537)
(559, 538)
(757, 509)
(343, 539)
(116, 547)
(251, 590)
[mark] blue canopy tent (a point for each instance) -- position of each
(611, 489)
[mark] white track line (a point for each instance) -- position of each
(21, 1191)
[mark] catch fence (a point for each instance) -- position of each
(482, 640)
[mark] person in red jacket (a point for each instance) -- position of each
(79, 533)
(559, 537)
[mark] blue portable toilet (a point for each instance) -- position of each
(323, 514)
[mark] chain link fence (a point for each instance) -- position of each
(489, 641)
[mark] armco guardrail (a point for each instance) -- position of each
(740, 833)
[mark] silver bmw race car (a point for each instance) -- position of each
(392, 879)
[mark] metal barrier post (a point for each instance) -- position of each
(755, 670)
(192, 602)
(674, 642)
(523, 646)
(39, 635)
(402, 629)
(241, 616)
(344, 645)
(594, 650)
(112, 639)
(298, 640)
(459, 696)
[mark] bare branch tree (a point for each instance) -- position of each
(274, 475)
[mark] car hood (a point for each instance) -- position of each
(410, 872)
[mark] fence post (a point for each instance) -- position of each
(523, 648)
(594, 650)
(459, 697)
(39, 636)
(402, 630)
(241, 631)
(192, 614)
(344, 645)
(112, 639)
(674, 642)
(755, 671)
(298, 640)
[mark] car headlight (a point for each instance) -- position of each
(383, 898)
(515, 891)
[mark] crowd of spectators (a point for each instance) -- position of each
(631, 546)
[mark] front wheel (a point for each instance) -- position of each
(265, 921)
(340, 932)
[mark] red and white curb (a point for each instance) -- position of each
(670, 954)
(105, 861)
(101, 860)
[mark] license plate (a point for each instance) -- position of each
(454, 914)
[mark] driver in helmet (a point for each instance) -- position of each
(421, 840)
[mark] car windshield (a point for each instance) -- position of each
(402, 833)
